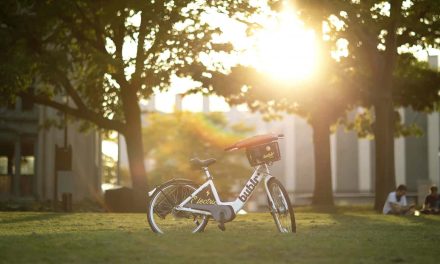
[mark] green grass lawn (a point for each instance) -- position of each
(348, 236)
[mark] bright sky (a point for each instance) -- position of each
(110, 148)
(283, 48)
(165, 101)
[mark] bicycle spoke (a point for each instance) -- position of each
(164, 203)
(282, 214)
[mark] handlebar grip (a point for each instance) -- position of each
(230, 148)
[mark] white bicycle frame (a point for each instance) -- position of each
(260, 173)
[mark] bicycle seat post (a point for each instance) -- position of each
(206, 171)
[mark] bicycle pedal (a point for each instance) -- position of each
(222, 226)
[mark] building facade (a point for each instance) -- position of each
(27, 156)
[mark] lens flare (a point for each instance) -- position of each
(285, 49)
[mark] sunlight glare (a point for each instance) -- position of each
(110, 149)
(285, 49)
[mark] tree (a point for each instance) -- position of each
(321, 102)
(104, 56)
(200, 135)
(15, 66)
(375, 33)
(355, 80)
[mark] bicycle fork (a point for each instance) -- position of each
(272, 208)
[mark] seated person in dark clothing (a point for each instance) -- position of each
(431, 205)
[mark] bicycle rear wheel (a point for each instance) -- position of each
(281, 209)
(163, 217)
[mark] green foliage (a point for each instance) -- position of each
(104, 56)
(15, 65)
(173, 139)
(415, 85)
(373, 35)
(363, 124)
(102, 53)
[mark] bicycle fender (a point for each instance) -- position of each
(174, 180)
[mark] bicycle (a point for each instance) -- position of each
(181, 204)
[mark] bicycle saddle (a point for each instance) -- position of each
(253, 141)
(198, 163)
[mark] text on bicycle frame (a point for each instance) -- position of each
(250, 186)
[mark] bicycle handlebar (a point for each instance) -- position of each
(233, 147)
(253, 141)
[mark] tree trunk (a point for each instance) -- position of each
(323, 192)
(384, 111)
(135, 150)
(385, 180)
(384, 142)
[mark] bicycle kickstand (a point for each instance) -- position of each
(221, 224)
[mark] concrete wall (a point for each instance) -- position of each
(416, 166)
(433, 135)
(305, 161)
(347, 161)
(433, 138)
(86, 159)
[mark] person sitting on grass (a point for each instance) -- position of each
(396, 202)
(432, 200)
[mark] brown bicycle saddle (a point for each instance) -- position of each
(253, 141)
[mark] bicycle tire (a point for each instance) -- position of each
(284, 219)
(155, 216)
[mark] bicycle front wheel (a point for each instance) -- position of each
(164, 218)
(281, 208)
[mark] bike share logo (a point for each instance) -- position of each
(203, 199)
(250, 186)
(269, 155)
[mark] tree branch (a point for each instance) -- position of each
(391, 37)
(118, 35)
(65, 82)
(80, 113)
(140, 53)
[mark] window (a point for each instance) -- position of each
(27, 165)
(3, 165)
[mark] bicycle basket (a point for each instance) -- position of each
(264, 153)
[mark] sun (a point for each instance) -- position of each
(285, 49)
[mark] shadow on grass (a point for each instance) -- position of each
(126, 246)
(388, 239)
(378, 218)
(28, 218)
